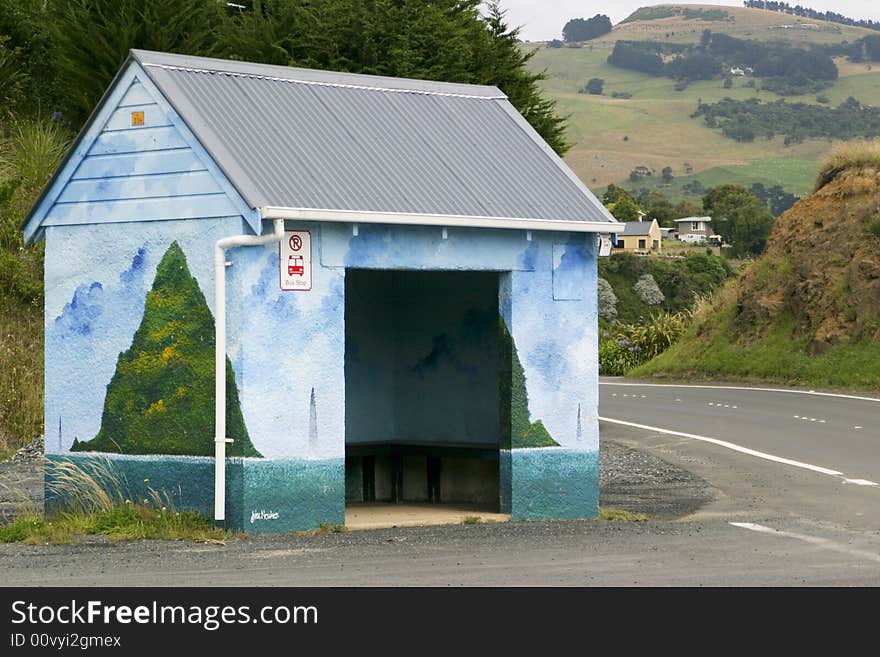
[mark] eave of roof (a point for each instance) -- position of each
(461, 221)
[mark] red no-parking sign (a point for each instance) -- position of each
(295, 261)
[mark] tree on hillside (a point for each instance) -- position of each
(685, 209)
(447, 40)
(625, 209)
(658, 207)
(613, 193)
(579, 29)
(91, 39)
(594, 86)
(739, 217)
(637, 57)
(25, 43)
(775, 197)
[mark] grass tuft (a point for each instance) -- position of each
(848, 156)
(619, 515)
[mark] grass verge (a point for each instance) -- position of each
(123, 522)
(21, 374)
(620, 515)
(709, 350)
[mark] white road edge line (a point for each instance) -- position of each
(728, 445)
(798, 392)
(861, 482)
(812, 540)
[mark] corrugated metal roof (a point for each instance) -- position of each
(636, 228)
(308, 139)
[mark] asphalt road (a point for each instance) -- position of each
(778, 492)
(832, 432)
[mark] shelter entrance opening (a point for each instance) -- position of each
(422, 354)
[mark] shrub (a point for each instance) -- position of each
(648, 290)
(607, 301)
(629, 345)
(873, 230)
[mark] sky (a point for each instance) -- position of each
(543, 19)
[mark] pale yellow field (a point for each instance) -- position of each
(653, 128)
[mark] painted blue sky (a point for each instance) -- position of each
(97, 280)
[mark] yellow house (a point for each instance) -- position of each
(640, 237)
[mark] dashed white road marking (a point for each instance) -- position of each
(857, 427)
(823, 543)
(860, 482)
(704, 387)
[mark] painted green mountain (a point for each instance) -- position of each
(161, 397)
(515, 402)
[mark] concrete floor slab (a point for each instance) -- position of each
(377, 515)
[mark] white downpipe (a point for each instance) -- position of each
(220, 438)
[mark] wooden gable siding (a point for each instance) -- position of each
(143, 172)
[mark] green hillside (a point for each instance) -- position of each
(653, 126)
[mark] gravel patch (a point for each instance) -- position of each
(639, 482)
(21, 481)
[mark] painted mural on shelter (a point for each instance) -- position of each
(111, 313)
(288, 355)
(161, 397)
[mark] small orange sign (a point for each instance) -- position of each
(137, 118)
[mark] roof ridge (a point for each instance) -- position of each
(342, 85)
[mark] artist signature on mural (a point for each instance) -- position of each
(263, 515)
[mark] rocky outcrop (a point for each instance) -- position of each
(821, 266)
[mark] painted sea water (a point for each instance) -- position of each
(261, 495)
(555, 483)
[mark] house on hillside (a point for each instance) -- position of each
(273, 291)
(668, 234)
(694, 230)
(640, 237)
